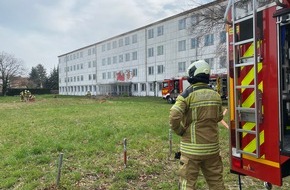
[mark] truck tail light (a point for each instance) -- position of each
(237, 162)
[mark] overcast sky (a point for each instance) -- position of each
(37, 31)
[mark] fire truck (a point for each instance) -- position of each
(219, 83)
(171, 88)
(258, 43)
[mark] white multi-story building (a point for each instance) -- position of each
(136, 62)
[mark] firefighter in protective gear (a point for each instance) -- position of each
(194, 117)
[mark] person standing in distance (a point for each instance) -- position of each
(194, 117)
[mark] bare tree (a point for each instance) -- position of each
(9, 68)
(208, 19)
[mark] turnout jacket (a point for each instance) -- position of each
(194, 117)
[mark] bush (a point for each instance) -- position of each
(17, 91)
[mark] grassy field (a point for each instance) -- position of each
(90, 134)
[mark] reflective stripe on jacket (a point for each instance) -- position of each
(195, 117)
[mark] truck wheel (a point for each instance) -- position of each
(268, 185)
(170, 100)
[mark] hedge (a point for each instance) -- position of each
(34, 91)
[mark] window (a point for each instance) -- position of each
(151, 70)
(159, 50)
(94, 76)
(109, 60)
(135, 73)
(151, 52)
(120, 58)
(182, 45)
(108, 46)
(159, 86)
(160, 30)
(194, 43)
(103, 61)
(182, 24)
(135, 87)
(134, 39)
(150, 33)
(89, 64)
(114, 44)
(222, 37)
(127, 57)
(82, 78)
(127, 40)
(104, 75)
(121, 42)
(109, 75)
(223, 62)
(103, 47)
(194, 19)
(210, 61)
(208, 40)
(134, 55)
(115, 59)
(151, 87)
(143, 87)
(94, 63)
(160, 69)
(181, 67)
(90, 77)
(89, 51)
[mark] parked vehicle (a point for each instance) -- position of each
(259, 88)
(171, 88)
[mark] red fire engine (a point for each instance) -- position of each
(219, 83)
(259, 88)
(171, 88)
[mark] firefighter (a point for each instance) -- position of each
(194, 117)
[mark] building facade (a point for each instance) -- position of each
(136, 62)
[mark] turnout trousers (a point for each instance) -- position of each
(211, 167)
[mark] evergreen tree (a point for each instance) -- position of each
(52, 80)
(33, 78)
(38, 76)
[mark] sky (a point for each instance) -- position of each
(38, 31)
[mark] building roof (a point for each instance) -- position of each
(154, 23)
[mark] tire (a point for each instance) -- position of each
(170, 100)
(268, 185)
